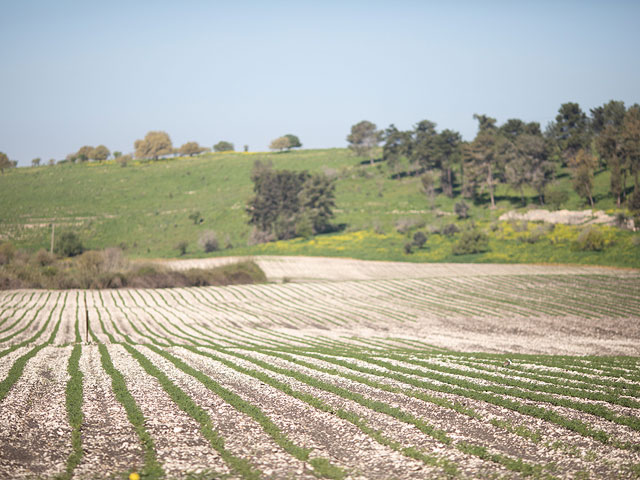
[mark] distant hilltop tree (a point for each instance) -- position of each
(363, 138)
(294, 141)
(35, 162)
(154, 145)
(280, 143)
(223, 146)
(84, 153)
(4, 162)
(190, 149)
(100, 153)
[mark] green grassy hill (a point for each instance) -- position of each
(144, 208)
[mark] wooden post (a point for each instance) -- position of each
(53, 232)
(86, 325)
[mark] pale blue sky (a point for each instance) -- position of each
(88, 72)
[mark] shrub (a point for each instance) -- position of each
(43, 258)
(471, 241)
(556, 198)
(461, 209)
(257, 236)
(223, 146)
(403, 225)
(408, 248)
(304, 227)
(450, 229)
(182, 247)
(196, 218)
(7, 251)
(419, 239)
(69, 245)
(590, 239)
(209, 241)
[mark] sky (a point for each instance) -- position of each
(77, 73)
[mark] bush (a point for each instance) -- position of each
(43, 258)
(304, 227)
(471, 241)
(257, 236)
(461, 209)
(419, 239)
(408, 248)
(403, 225)
(196, 217)
(450, 229)
(182, 247)
(69, 245)
(556, 198)
(223, 146)
(209, 241)
(590, 239)
(7, 251)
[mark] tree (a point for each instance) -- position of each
(630, 143)
(526, 163)
(69, 245)
(363, 138)
(484, 162)
(317, 201)
(191, 148)
(35, 162)
(294, 142)
(223, 146)
(285, 199)
(570, 131)
(424, 145)
(448, 156)
(582, 165)
(83, 154)
(397, 144)
(609, 114)
(154, 145)
(100, 153)
(4, 162)
(279, 143)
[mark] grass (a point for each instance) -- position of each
(145, 209)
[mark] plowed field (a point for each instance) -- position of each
(360, 370)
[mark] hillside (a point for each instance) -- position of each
(144, 208)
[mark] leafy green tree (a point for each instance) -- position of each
(609, 114)
(154, 145)
(630, 143)
(294, 141)
(317, 201)
(570, 132)
(223, 146)
(583, 165)
(448, 155)
(364, 137)
(4, 162)
(83, 154)
(68, 244)
(527, 164)
(284, 200)
(189, 149)
(397, 144)
(100, 153)
(484, 158)
(279, 143)
(36, 162)
(424, 151)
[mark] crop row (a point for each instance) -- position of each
(233, 374)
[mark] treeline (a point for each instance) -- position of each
(155, 145)
(517, 153)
